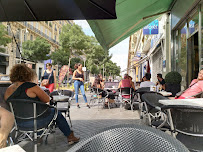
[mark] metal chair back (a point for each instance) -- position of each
(187, 122)
(129, 138)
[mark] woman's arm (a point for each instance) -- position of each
(54, 72)
(119, 86)
(41, 94)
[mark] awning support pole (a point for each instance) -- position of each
(30, 10)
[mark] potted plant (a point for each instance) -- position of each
(173, 82)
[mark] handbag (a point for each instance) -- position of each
(45, 82)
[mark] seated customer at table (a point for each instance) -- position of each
(6, 123)
(133, 84)
(22, 88)
(147, 82)
(98, 82)
(195, 88)
(126, 82)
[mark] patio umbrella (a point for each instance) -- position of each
(46, 10)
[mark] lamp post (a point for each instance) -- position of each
(21, 40)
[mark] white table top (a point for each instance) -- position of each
(189, 102)
(164, 93)
(60, 98)
(13, 148)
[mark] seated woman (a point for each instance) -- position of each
(126, 83)
(22, 88)
(195, 88)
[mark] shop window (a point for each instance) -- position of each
(182, 59)
(31, 37)
(194, 24)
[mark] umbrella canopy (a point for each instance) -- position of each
(132, 15)
(47, 10)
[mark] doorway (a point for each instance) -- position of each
(192, 58)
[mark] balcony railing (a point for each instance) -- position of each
(40, 32)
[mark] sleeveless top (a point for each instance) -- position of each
(125, 83)
(46, 76)
(20, 92)
(78, 75)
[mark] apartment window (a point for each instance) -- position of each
(31, 37)
(49, 34)
(46, 31)
(24, 37)
(41, 28)
(55, 37)
(37, 25)
(55, 28)
(59, 31)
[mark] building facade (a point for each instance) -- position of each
(176, 47)
(23, 31)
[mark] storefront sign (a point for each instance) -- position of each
(152, 28)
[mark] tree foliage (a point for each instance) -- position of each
(73, 41)
(4, 39)
(36, 50)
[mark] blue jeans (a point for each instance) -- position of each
(44, 121)
(77, 85)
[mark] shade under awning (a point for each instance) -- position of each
(131, 16)
(46, 10)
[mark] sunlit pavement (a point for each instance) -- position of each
(85, 122)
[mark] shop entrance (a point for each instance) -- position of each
(192, 58)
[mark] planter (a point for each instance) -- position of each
(173, 88)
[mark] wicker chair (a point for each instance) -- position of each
(187, 122)
(28, 114)
(129, 138)
(152, 109)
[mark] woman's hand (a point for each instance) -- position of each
(81, 79)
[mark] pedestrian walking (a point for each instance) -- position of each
(78, 76)
(49, 78)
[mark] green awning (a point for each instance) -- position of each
(130, 18)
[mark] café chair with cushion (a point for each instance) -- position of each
(129, 138)
(152, 110)
(29, 116)
(187, 125)
(64, 108)
(126, 95)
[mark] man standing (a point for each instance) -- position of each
(161, 81)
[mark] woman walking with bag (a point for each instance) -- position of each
(78, 76)
(49, 78)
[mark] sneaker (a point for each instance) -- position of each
(78, 106)
(88, 106)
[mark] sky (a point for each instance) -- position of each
(119, 51)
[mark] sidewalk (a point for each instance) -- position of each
(85, 122)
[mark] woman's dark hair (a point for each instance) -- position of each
(48, 64)
(77, 65)
(20, 72)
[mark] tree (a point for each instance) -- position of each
(36, 50)
(73, 41)
(4, 40)
(74, 61)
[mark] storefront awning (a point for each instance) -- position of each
(132, 15)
